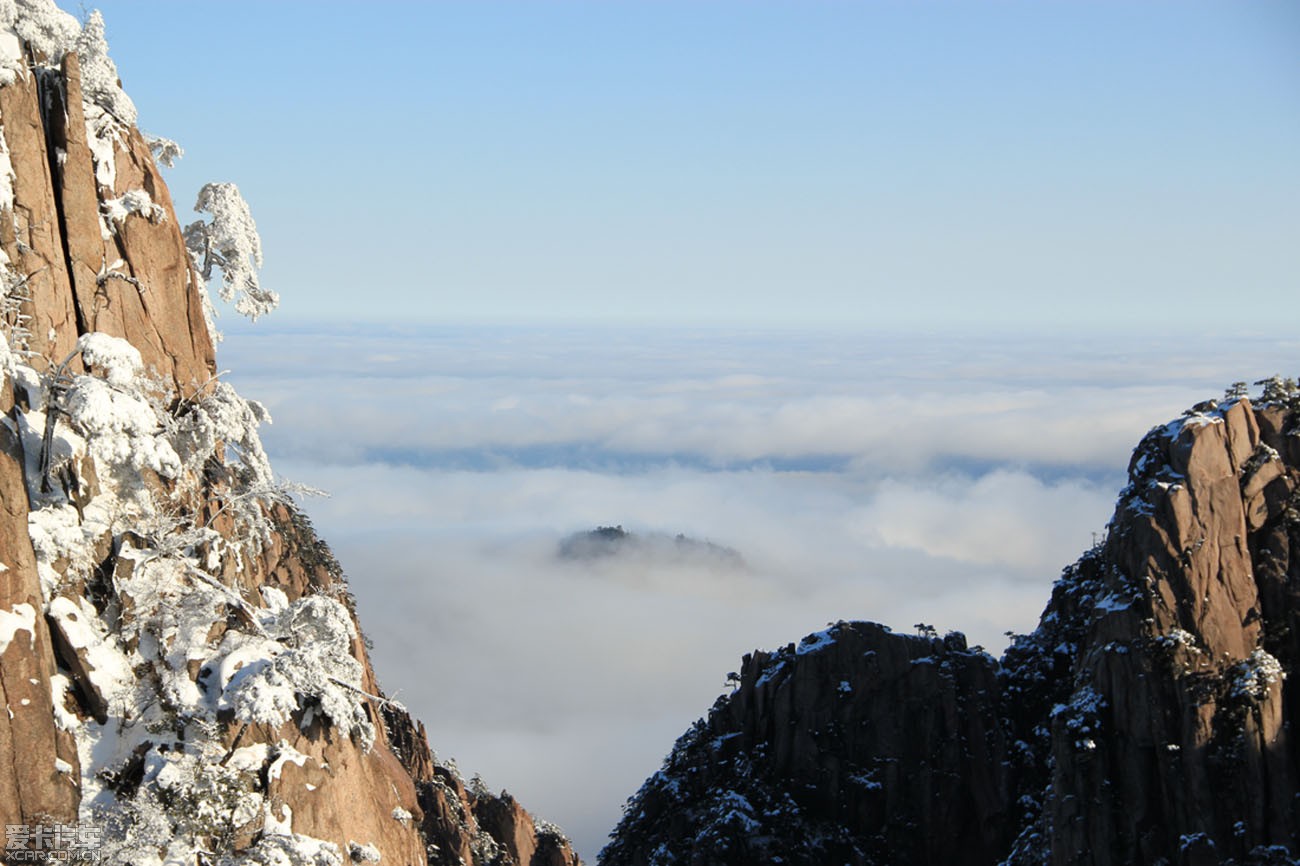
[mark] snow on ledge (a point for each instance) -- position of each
(21, 618)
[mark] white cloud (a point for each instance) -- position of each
(1004, 518)
(497, 643)
(560, 398)
(893, 479)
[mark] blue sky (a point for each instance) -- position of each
(998, 165)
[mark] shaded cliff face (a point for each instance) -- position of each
(180, 662)
(1147, 719)
(1153, 696)
(855, 746)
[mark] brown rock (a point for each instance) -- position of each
(31, 786)
(58, 244)
(461, 825)
(138, 284)
(352, 794)
(1167, 732)
(79, 202)
(33, 238)
(169, 316)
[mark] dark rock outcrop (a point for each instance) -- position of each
(1146, 720)
(605, 543)
(465, 822)
(1152, 697)
(855, 746)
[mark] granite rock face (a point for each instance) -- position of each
(180, 660)
(137, 283)
(1157, 676)
(1146, 720)
(855, 746)
(30, 742)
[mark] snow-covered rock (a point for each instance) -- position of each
(180, 661)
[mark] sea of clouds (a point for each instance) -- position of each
(942, 479)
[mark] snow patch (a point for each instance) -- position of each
(22, 617)
(110, 671)
(817, 641)
(7, 175)
(51, 31)
(60, 685)
(1112, 603)
(11, 47)
(770, 673)
(285, 754)
(287, 849)
(363, 853)
(118, 359)
(136, 201)
(304, 661)
(249, 759)
(866, 780)
(123, 429)
(102, 137)
(1082, 716)
(1256, 674)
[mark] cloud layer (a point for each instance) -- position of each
(900, 480)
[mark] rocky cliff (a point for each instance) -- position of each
(1146, 720)
(183, 676)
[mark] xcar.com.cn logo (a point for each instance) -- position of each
(52, 843)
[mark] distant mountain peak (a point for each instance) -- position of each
(654, 548)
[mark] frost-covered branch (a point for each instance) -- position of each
(110, 272)
(49, 30)
(230, 242)
(99, 81)
(58, 386)
(164, 150)
(383, 702)
(232, 597)
(14, 291)
(305, 664)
